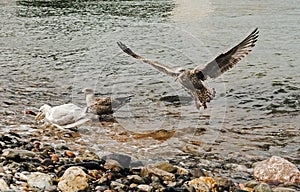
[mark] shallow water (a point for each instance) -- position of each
(49, 52)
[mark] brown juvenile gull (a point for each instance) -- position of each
(192, 80)
(103, 106)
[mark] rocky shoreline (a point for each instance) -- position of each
(28, 164)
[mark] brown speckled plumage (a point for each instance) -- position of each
(103, 106)
(192, 80)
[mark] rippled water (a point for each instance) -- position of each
(50, 51)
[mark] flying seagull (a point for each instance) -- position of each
(103, 106)
(192, 80)
(64, 116)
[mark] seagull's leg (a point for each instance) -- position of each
(198, 105)
(197, 101)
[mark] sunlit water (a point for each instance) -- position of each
(50, 52)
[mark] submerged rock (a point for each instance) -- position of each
(276, 170)
(74, 179)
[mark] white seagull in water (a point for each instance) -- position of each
(103, 106)
(192, 80)
(64, 116)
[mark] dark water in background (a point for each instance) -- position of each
(50, 51)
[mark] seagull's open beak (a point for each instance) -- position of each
(39, 116)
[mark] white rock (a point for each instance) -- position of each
(276, 169)
(146, 188)
(39, 180)
(74, 179)
(3, 185)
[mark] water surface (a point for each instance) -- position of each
(51, 51)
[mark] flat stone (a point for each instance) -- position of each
(39, 180)
(74, 179)
(283, 189)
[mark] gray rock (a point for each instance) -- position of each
(22, 154)
(3, 185)
(74, 179)
(39, 180)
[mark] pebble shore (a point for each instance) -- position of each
(27, 164)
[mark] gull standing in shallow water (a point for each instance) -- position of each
(64, 116)
(192, 80)
(103, 106)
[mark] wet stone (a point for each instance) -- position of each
(123, 160)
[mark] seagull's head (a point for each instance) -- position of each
(45, 109)
(179, 72)
(88, 91)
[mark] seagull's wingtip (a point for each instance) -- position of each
(122, 45)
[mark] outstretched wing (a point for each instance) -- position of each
(227, 60)
(159, 66)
